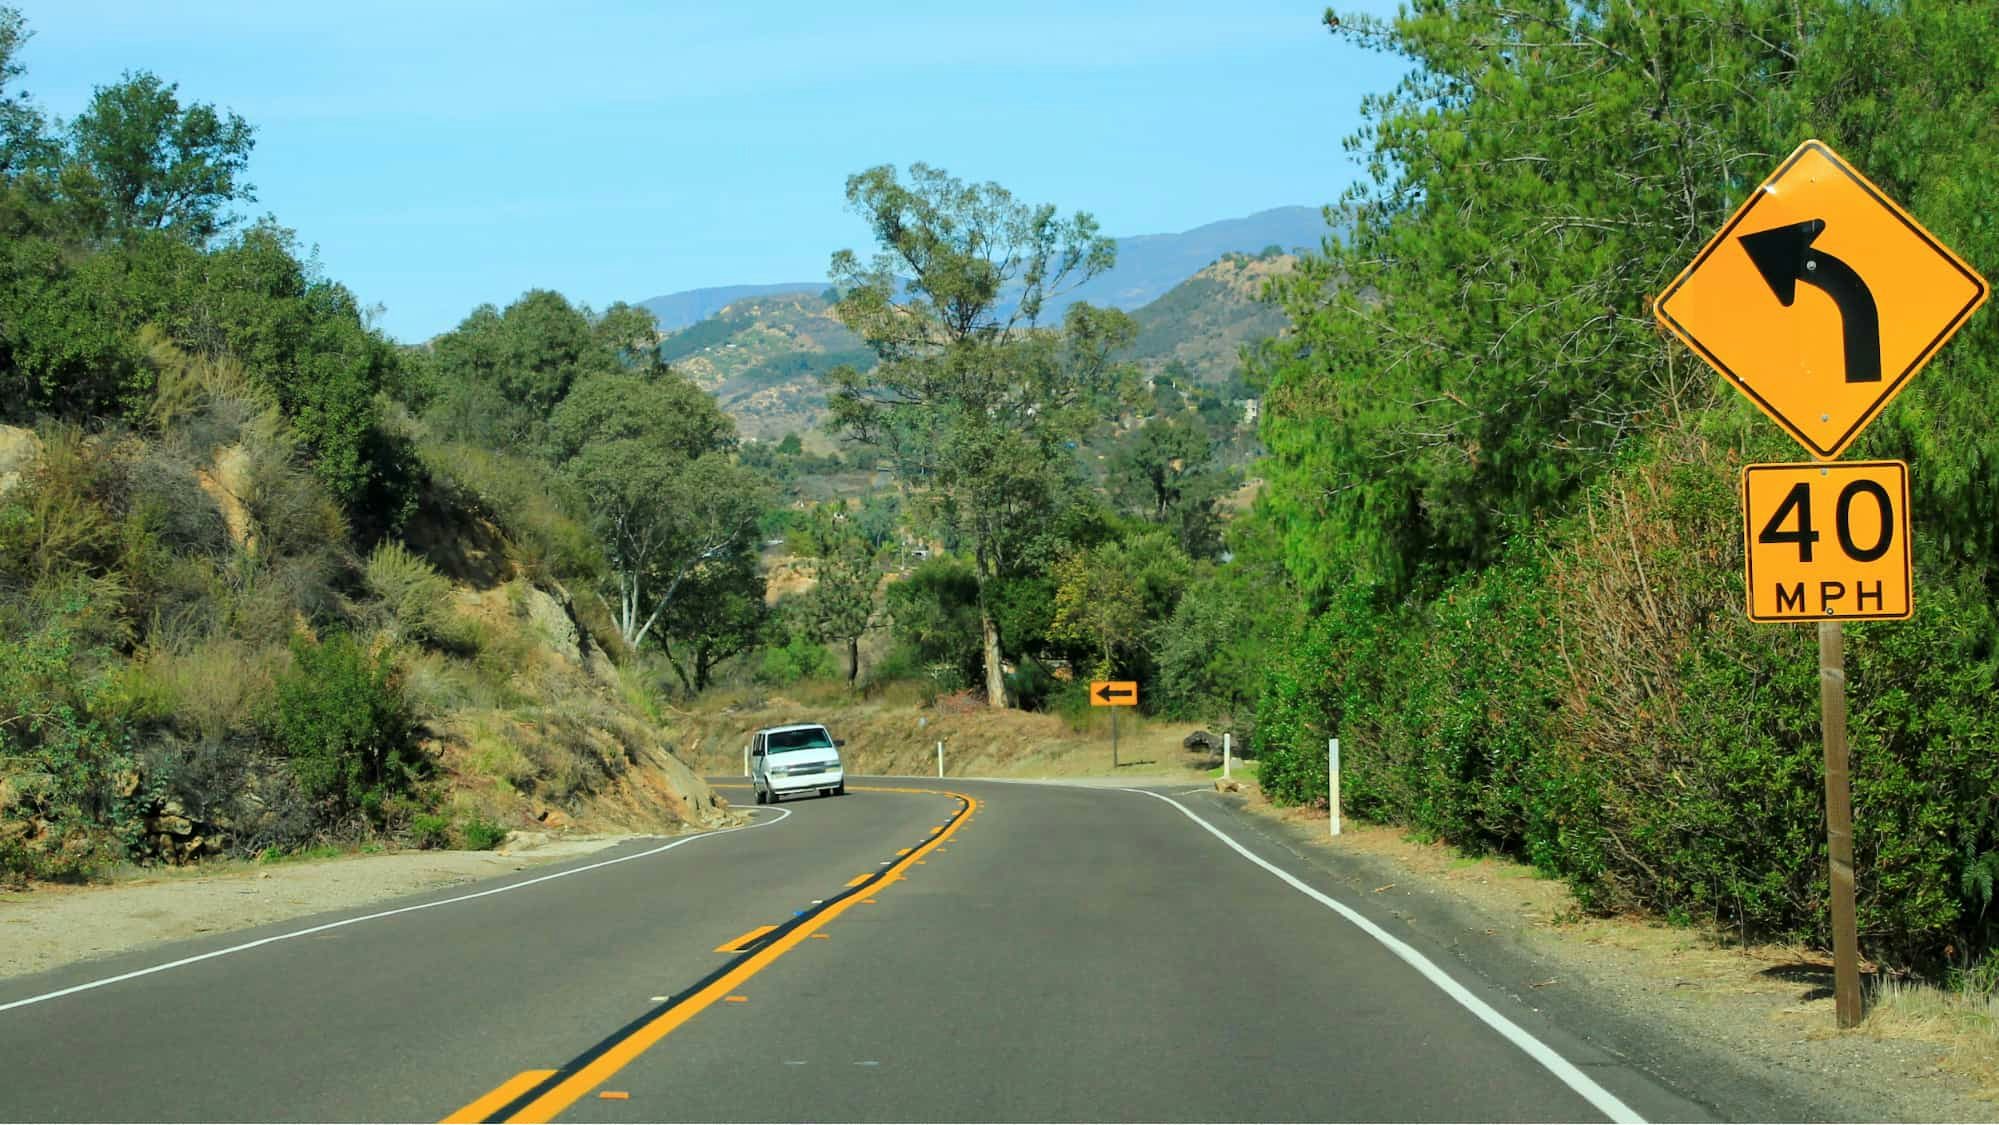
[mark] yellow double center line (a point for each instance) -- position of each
(572, 1084)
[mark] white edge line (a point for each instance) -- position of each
(378, 915)
(1605, 1101)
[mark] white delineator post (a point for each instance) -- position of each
(1225, 756)
(1333, 780)
(746, 759)
(940, 759)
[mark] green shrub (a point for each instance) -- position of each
(1597, 704)
(340, 717)
(482, 835)
(430, 830)
(63, 753)
(415, 598)
(798, 658)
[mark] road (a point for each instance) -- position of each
(942, 951)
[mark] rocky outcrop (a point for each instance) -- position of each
(553, 624)
(19, 450)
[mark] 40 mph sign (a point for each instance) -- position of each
(1827, 542)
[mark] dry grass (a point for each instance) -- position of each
(1965, 1024)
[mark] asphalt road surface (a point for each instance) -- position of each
(913, 951)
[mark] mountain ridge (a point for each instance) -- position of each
(1148, 266)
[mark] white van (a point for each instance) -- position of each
(795, 759)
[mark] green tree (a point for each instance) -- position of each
(970, 399)
(653, 458)
(546, 345)
(1165, 472)
(142, 161)
(841, 607)
(934, 617)
(718, 614)
(24, 140)
(1112, 599)
(1479, 343)
(630, 334)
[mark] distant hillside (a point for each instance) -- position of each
(679, 310)
(1147, 266)
(1150, 264)
(1203, 322)
(761, 358)
(1194, 296)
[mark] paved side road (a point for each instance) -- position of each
(912, 951)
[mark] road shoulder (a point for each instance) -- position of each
(1745, 1033)
(52, 927)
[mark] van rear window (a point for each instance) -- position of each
(815, 738)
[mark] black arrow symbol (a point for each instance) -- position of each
(1784, 256)
(1106, 694)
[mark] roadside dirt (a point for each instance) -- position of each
(52, 926)
(896, 736)
(1769, 1009)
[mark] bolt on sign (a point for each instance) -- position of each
(1820, 299)
(1827, 542)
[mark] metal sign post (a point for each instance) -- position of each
(1839, 822)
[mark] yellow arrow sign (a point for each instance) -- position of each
(1113, 693)
(1820, 299)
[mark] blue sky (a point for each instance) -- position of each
(441, 155)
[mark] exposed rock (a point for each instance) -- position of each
(1200, 740)
(552, 622)
(174, 825)
(19, 449)
(126, 782)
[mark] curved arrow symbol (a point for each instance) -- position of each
(1784, 256)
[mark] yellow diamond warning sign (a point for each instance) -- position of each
(1827, 542)
(1820, 299)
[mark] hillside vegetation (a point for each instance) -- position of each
(1503, 501)
(1202, 325)
(248, 600)
(762, 358)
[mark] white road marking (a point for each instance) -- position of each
(249, 945)
(1605, 1102)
